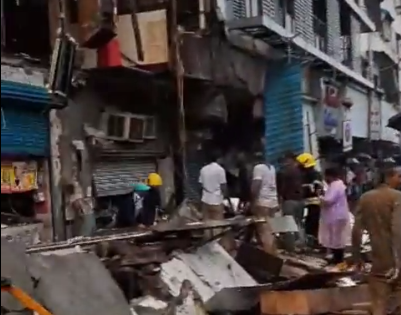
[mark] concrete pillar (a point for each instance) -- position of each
(58, 216)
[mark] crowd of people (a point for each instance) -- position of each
(319, 203)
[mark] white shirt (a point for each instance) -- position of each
(268, 190)
(212, 176)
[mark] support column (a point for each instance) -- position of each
(56, 189)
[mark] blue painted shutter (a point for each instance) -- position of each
(24, 132)
(283, 111)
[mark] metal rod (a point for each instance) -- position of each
(138, 235)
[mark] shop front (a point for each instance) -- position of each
(24, 150)
(358, 114)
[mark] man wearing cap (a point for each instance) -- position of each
(151, 202)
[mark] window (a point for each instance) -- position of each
(129, 127)
(136, 128)
(116, 126)
(150, 128)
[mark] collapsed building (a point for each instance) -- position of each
(172, 269)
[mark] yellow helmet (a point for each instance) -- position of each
(154, 180)
(306, 160)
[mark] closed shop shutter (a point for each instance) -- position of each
(24, 132)
(114, 177)
(283, 111)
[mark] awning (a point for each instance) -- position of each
(25, 92)
(395, 122)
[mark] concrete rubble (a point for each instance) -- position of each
(172, 270)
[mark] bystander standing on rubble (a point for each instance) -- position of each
(289, 188)
(334, 228)
(379, 213)
(264, 201)
(214, 189)
(312, 187)
(151, 201)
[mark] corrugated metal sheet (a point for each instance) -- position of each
(24, 131)
(210, 269)
(283, 111)
(116, 177)
(24, 92)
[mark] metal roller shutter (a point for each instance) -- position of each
(24, 132)
(115, 177)
(283, 111)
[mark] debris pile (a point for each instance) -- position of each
(171, 269)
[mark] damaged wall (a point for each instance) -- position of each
(214, 59)
(82, 137)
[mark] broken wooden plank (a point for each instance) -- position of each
(307, 302)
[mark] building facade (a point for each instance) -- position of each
(334, 90)
(25, 142)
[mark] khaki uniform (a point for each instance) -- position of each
(375, 213)
(264, 232)
(216, 212)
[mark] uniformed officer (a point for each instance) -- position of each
(379, 213)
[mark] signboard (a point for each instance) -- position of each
(347, 135)
(18, 177)
(330, 111)
(375, 118)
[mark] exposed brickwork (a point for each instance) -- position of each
(333, 29)
(304, 19)
(355, 31)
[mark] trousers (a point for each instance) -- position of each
(383, 295)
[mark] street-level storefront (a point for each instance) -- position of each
(24, 149)
(114, 177)
(283, 111)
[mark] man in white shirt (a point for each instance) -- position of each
(264, 201)
(213, 180)
(214, 188)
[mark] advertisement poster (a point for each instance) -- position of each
(18, 177)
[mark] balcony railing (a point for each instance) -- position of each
(312, 30)
(320, 29)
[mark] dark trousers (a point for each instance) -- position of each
(312, 221)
